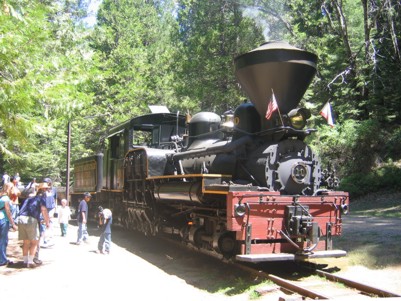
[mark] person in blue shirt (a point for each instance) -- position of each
(105, 221)
(6, 220)
(46, 233)
(51, 205)
(28, 223)
(51, 197)
(82, 219)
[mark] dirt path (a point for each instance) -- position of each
(135, 267)
(374, 251)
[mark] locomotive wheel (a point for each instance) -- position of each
(155, 228)
(195, 236)
(124, 221)
(146, 230)
(227, 245)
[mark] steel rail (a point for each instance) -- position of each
(296, 288)
(284, 283)
(357, 285)
(287, 285)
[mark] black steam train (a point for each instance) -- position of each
(244, 185)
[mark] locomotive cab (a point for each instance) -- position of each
(103, 175)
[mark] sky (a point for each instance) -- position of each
(93, 7)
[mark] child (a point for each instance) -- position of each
(64, 216)
(106, 220)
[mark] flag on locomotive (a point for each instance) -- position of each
(326, 112)
(272, 106)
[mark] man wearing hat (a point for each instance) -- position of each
(82, 219)
(28, 224)
(42, 189)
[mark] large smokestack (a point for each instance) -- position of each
(278, 67)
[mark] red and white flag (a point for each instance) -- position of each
(271, 106)
(327, 114)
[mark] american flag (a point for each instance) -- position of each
(271, 106)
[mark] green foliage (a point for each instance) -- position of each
(17, 81)
(349, 147)
(392, 146)
(44, 67)
(180, 54)
(133, 54)
(212, 34)
(386, 178)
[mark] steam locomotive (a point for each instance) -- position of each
(243, 185)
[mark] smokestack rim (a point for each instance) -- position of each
(279, 51)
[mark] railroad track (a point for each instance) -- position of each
(325, 287)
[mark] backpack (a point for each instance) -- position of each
(26, 192)
(31, 207)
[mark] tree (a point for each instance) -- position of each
(44, 65)
(133, 50)
(212, 33)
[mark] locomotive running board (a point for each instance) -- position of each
(290, 257)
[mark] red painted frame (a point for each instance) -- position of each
(267, 217)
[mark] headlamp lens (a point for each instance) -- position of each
(298, 121)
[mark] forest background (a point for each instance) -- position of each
(57, 68)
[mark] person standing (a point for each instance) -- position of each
(6, 178)
(6, 220)
(106, 219)
(82, 219)
(14, 194)
(51, 204)
(17, 178)
(64, 216)
(28, 224)
(32, 186)
(51, 197)
(44, 228)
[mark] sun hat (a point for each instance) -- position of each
(43, 186)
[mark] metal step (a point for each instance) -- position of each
(290, 257)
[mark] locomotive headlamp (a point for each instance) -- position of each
(298, 118)
(239, 209)
(228, 121)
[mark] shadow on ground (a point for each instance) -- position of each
(195, 268)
